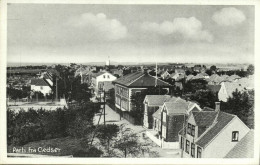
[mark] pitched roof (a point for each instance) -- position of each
(244, 148)
(178, 106)
(204, 118)
(98, 74)
(157, 100)
(157, 114)
(222, 120)
(140, 79)
(189, 77)
(233, 77)
(39, 82)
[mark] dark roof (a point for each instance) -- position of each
(140, 79)
(214, 88)
(39, 82)
(204, 118)
(157, 100)
(97, 74)
(222, 120)
(244, 148)
(208, 109)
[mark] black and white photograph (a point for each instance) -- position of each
(126, 80)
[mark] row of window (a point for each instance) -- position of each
(104, 76)
(122, 91)
(190, 148)
(191, 130)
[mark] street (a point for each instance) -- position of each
(113, 118)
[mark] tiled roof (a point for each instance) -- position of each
(157, 100)
(140, 79)
(222, 120)
(204, 118)
(232, 78)
(244, 148)
(39, 82)
(177, 107)
(208, 109)
(157, 114)
(214, 88)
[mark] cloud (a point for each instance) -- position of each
(99, 26)
(229, 17)
(189, 28)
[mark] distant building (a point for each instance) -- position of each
(211, 134)
(100, 79)
(241, 85)
(41, 85)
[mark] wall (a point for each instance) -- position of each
(175, 124)
(222, 94)
(45, 89)
(222, 144)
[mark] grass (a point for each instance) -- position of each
(67, 146)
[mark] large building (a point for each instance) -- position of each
(133, 83)
(101, 80)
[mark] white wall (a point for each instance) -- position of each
(222, 144)
(222, 94)
(104, 77)
(45, 89)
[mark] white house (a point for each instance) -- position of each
(40, 85)
(211, 134)
(101, 78)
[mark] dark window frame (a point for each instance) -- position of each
(192, 130)
(187, 147)
(235, 136)
(192, 152)
(199, 151)
(189, 129)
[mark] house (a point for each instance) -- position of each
(41, 85)
(211, 134)
(133, 83)
(118, 72)
(227, 88)
(173, 116)
(164, 74)
(151, 105)
(100, 79)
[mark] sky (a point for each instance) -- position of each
(65, 33)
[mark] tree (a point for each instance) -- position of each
(193, 85)
(106, 134)
(131, 144)
(242, 105)
(205, 98)
(213, 68)
(127, 142)
(251, 69)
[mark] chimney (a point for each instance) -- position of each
(217, 106)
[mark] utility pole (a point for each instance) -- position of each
(56, 89)
(104, 106)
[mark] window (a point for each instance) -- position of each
(108, 76)
(189, 128)
(164, 117)
(193, 150)
(198, 152)
(41, 88)
(234, 136)
(164, 131)
(187, 146)
(192, 130)
(104, 76)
